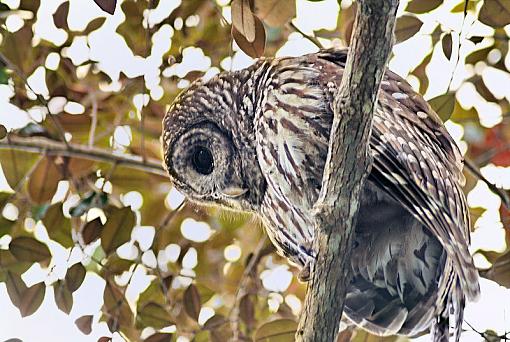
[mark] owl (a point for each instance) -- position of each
(256, 140)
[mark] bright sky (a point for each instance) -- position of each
(114, 56)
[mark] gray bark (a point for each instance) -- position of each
(347, 166)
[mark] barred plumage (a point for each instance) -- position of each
(257, 140)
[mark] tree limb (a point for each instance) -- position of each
(347, 166)
(56, 148)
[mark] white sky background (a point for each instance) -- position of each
(114, 56)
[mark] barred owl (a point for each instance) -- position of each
(256, 140)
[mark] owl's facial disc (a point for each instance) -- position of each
(205, 166)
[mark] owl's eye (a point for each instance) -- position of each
(203, 161)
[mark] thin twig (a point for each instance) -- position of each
(93, 115)
(56, 148)
(500, 192)
(313, 39)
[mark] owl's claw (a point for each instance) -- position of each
(305, 274)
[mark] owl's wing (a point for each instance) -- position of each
(419, 165)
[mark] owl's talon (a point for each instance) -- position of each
(305, 274)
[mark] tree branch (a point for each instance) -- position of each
(347, 166)
(56, 148)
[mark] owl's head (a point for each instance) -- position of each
(209, 143)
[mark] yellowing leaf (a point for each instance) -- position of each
(43, 182)
(154, 315)
(117, 229)
(243, 19)
(446, 44)
(84, 323)
(406, 27)
(159, 337)
(32, 299)
(107, 5)
(443, 105)
(192, 303)
(63, 297)
(75, 276)
(423, 6)
(215, 322)
(58, 226)
(253, 49)
(116, 306)
(276, 13)
(495, 13)
(280, 330)
(15, 165)
(26, 248)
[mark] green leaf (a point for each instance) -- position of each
(443, 105)
(91, 200)
(4, 76)
(117, 229)
(75, 276)
(26, 248)
(406, 27)
(495, 13)
(5, 225)
(423, 6)
(192, 302)
(9, 263)
(153, 315)
(58, 226)
(63, 297)
(280, 330)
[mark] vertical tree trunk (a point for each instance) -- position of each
(347, 166)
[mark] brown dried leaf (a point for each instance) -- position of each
(192, 302)
(215, 322)
(117, 229)
(84, 323)
(495, 13)
(443, 105)
(423, 6)
(116, 265)
(116, 306)
(104, 338)
(446, 43)
(32, 299)
(243, 19)
(26, 248)
(280, 330)
(406, 27)
(91, 231)
(275, 13)
(3, 131)
(60, 16)
(500, 270)
(16, 288)
(63, 297)
(58, 226)
(43, 182)
(256, 48)
(75, 276)
(107, 5)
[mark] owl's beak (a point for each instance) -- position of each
(234, 191)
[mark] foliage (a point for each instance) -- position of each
(84, 201)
